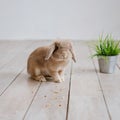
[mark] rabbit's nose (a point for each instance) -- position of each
(64, 55)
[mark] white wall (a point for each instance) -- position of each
(49, 19)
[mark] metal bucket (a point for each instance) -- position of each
(107, 64)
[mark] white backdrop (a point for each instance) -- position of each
(50, 19)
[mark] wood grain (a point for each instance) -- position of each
(86, 99)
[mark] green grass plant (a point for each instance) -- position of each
(107, 46)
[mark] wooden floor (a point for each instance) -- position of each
(86, 94)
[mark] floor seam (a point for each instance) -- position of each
(18, 72)
(32, 101)
(67, 111)
(101, 87)
(12, 82)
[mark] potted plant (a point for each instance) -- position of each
(107, 50)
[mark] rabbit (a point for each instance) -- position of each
(50, 61)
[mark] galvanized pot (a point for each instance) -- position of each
(107, 64)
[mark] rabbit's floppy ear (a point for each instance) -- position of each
(73, 55)
(71, 50)
(50, 51)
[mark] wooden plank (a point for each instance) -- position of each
(111, 88)
(50, 102)
(86, 99)
(10, 71)
(16, 99)
(9, 49)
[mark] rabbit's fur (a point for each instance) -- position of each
(50, 61)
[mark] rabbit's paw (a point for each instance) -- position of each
(57, 80)
(40, 78)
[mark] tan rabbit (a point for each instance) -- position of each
(50, 61)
